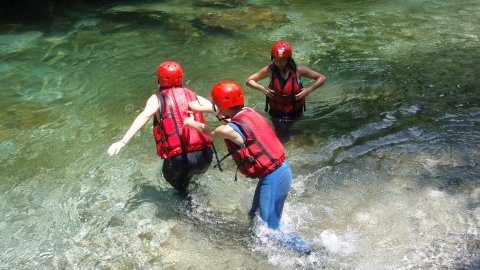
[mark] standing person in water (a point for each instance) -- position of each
(186, 152)
(255, 149)
(285, 94)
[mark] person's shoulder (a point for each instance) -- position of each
(266, 68)
(155, 95)
(153, 102)
(303, 69)
(248, 110)
(187, 89)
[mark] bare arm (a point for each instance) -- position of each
(202, 105)
(151, 108)
(252, 81)
(222, 132)
(311, 74)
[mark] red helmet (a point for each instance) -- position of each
(227, 95)
(281, 50)
(170, 74)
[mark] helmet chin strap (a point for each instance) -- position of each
(224, 118)
(217, 111)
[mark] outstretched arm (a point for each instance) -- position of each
(150, 109)
(311, 74)
(202, 105)
(222, 132)
(252, 81)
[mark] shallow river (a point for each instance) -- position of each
(385, 161)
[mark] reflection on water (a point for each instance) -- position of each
(385, 159)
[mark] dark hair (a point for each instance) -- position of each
(292, 64)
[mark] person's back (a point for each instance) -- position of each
(170, 135)
(261, 145)
(185, 151)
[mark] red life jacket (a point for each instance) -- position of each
(262, 152)
(283, 102)
(170, 135)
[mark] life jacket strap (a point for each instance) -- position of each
(216, 157)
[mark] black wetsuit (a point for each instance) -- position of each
(179, 170)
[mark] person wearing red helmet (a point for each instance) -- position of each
(285, 94)
(256, 150)
(186, 152)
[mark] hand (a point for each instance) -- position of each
(187, 122)
(115, 148)
(268, 92)
(302, 94)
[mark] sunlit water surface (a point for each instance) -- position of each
(385, 160)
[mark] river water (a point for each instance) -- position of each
(385, 161)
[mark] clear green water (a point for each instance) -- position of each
(385, 160)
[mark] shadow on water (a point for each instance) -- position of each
(166, 199)
(192, 209)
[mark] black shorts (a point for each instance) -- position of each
(178, 170)
(283, 123)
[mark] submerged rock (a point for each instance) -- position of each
(218, 3)
(12, 43)
(248, 18)
(154, 16)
